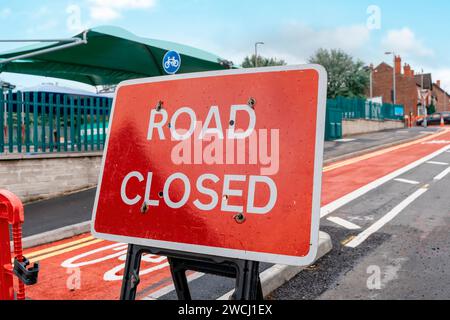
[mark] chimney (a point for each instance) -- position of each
(438, 83)
(407, 70)
(398, 65)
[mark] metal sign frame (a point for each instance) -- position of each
(246, 273)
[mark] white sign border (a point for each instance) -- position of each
(224, 252)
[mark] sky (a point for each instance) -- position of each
(290, 29)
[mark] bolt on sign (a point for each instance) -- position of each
(222, 163)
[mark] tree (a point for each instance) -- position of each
(346, 77)
(249, 62)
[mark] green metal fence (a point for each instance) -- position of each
(352, 109)
(333, 128)
(33, 122)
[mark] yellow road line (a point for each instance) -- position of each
(59, 247)
(57, 253)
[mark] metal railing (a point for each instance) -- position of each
(33, 122)
(351, 109)
(365, 109)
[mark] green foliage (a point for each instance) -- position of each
(346, 77)
(431, 109)
(249, 62)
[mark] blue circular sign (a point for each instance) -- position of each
(171, 62)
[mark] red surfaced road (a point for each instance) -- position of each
(66, 274)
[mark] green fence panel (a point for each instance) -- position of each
(19, 114)
(65, 119)
(35, 122)
(91, 121)
(50, 121)
(78, 124)
(58, 123)
(97, 121)
(85, 124)
(2, 123)
(10, 123)
(103, 133)
(349, 109)
(43, 123)
(72, 124)
(333, 127)
(27, 123)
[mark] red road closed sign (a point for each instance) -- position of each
(222, 163)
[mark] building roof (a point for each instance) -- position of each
(383, 64)
(439, 88)
(427, 81)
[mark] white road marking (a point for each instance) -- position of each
(407, 181)
(333, 206)
(437, 142)
(344, 223)
(344, 140)
(438, 163)
(427, 132)
(442, 175)
(386, 219)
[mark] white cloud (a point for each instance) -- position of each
(107, 10)
(404, 42)
(295, 42)
(119, 4)
(104, 13)
(299, 39)
(5, 13)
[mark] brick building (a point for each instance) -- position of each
(441, 97)
(425, 92)
(406, 86)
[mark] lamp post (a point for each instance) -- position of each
(425, 111)
(394, 95)
(369, 69)
(256, 52)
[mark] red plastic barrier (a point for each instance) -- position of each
(11, 213)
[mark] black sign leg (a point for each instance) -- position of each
(248, 284)
(131, 278)
(179, 278)
(246, 273)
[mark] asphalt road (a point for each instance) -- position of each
(334, 149)
(64, 211)
(407, 258)
(47, 215)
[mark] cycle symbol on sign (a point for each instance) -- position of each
(172, 62)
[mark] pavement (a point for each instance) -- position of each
(48, 215)
(389, 234)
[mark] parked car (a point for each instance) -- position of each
(435, 119)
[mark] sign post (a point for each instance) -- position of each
(218, 171)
